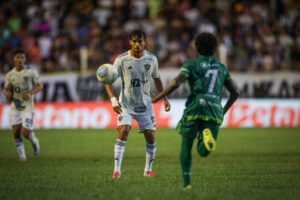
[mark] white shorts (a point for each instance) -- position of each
(24, 118)
(146, 120)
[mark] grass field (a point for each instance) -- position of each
(78, 164)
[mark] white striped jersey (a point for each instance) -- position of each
(136, 76)
(19, 83)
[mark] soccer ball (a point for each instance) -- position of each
(107, 73)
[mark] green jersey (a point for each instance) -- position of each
(205, 77)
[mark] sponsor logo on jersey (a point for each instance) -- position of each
(139, 109)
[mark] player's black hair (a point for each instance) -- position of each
(138, 33)
(18, 51)
(206, 44)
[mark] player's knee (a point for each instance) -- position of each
(25, 132)
(123, 136)
(123, 133)
(17, 131)
(149, 136)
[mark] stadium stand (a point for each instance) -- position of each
(254, 36)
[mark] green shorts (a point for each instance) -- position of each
(191, 128)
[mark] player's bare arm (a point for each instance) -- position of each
(115, 103)
(26, 96)
(175, 83)
(7, 94)
(231, 86)
(159, 87)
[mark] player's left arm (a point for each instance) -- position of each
(38, 87)
(35, 90)
(159, 87)
(175, 83)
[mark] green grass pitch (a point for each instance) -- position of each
(78, 164)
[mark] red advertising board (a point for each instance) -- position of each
(244, 113)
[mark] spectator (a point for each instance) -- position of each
(257, 36)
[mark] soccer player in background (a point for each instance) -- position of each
(136, 67)
(21, 83)
(203, 113)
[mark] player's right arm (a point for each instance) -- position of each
(115, 103)
(7, 89)
(231, 86)
(110, 92)
(7, 94)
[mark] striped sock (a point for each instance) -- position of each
(150, 155)
(119, 151)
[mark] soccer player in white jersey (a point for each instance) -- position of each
(136, 67)
(21, 83)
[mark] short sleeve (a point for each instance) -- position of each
(7, 84)
(36, 78)
(227, 74)
(186, 69)
(155, 73)
(117, 64)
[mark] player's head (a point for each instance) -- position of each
(137, 41)
(206, 44)
(19, 57)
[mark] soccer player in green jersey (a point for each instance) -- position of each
(203, 113)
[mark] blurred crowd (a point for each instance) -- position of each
(253, 36)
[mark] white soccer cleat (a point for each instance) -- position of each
(36, 146)
(22, 158)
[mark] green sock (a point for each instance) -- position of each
(201, 149)
(186, 160)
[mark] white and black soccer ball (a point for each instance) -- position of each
(107, 73)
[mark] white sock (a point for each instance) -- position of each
(32, 137)
(119, 151)
(150, 155)
(20, 148)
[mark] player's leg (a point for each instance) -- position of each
(150, 151)
(16, 123)
(124, 126)
(186, 160)
(147, 126)
(188, 130)
(208, 134)
(19, 142)
(27, 132)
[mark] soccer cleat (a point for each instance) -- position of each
(149, 174)
(209, 140)
(22, 158)
(116, 174)
(188, 187)
(36, 146)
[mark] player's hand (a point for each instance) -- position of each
(118, 109)
(8, 95)
(116, 105)
(26, 96)
(167, 105)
